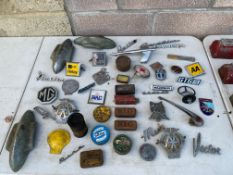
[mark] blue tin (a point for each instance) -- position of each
(100, 134)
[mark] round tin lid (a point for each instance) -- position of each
(100, 134)
(122, 144)
(147, 152)
(102, 113)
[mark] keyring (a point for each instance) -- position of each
(188, 94)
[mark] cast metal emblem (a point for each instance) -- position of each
(47, 95)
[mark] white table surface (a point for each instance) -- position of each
(17, 55)
(226, 89)
(216, 130)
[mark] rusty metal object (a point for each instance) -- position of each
(8, 119)
(126, 99)
(102, 113)
(125, 112)
(122, 78)
(125, 125)
(123, 63)
(128, 89)
(77, 124)
(91, 158)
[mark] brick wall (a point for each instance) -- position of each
(33, 18)
(150, 17)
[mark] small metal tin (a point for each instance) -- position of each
(147, 152)
(123, 63)
(128, 89)
(122, 78)
(47, 95)
(176, 69)
(77, 124)
(125, 100)
(125, 125)
(100, 134)
(125, 112)
(70, 86)
(92, 158)
(102, 113)
(122, 144)
(99, 59)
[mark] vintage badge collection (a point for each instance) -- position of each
(22, 137)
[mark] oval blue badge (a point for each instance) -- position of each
(100, 134)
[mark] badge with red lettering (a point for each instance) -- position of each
(97, 96)
(206, 106)
(195, 69)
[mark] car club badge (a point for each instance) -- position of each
(47, 95)
(206, 106)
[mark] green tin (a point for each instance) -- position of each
(122, 144)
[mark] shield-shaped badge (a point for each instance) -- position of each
(206, 106)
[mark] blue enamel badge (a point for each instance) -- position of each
(206, 106)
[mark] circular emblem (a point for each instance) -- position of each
(102, 113)
(147, 152)
(123, 63)
(100, 135)
(47, 95)
(176, 69)
(122, 144)
(70, 86)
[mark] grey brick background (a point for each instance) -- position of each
(150, 17)
(115, 17)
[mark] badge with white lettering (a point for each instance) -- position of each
(187, 80)
(206, 106)
(97, 96)
(194, 69)
(73, 69)
(47, 95)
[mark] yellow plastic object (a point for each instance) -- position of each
(57, 140)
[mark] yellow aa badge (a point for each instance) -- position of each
(73, 69)
(194, 69)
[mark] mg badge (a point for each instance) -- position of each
(47, 95)
(206, 106)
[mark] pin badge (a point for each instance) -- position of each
(47, 95)
(206, 106)
(70, 86)
(100, 135)
(101, 77)
(99, 59)
(147, 152)
(73, 69)
(97, 96)
(195, 69)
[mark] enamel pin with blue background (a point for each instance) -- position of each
(206, 106)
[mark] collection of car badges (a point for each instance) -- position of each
(171, 140)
